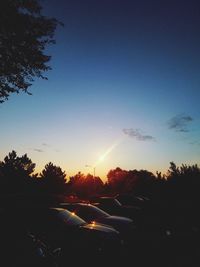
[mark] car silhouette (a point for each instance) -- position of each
(130, 199)
(91, 213)
(58, 227)
(114, 207)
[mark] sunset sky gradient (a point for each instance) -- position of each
(123, 91)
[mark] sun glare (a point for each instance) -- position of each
(101, 158)
(107, 152)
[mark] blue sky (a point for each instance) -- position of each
(124, 84)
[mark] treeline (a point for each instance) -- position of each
(17, 176)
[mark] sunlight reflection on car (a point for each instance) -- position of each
(93, 215)
(59, 227)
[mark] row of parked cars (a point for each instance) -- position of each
(101, 230)
(35, 233)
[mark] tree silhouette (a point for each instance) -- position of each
(16, 172)
(53, 178)
(117, 180)
(24, 35)
(92, 185)
(146, 182)
(76, 179)
(140, 182)
(85, 186)
(184, 182)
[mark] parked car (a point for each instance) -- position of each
(91, 213)
(60, 228)
(114, 207)
(130, 199)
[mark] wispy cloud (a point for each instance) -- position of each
(38, 150)
(45, 147)
(45, 144)
(136, 133)
(180, 123)
(194, 143)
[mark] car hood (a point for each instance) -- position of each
(99, 227)
(119, 218)
(118, 222)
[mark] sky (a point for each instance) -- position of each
(123, 90)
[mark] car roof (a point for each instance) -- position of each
(74, 204)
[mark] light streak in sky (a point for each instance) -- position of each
(108, 151)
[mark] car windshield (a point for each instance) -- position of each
(110, 201)
(70, 218)
(90, 212)
(117, 202)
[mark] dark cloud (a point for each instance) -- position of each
(180, 123)
(38, 150)
(135, 133)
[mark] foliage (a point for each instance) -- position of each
(24, 35)
(16, 172)
(184, 181)
(85, 186)
(53, 178)
(183, 171)
(18, 166)
(117, 179)
(132, 181)
(180, 184)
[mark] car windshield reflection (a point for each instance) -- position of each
(90, 212)
(70, 218)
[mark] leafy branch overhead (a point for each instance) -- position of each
(24, 35)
